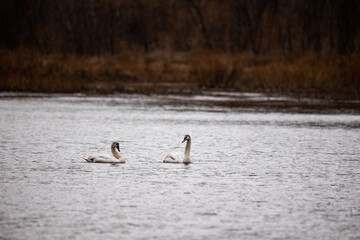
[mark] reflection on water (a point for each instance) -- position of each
(255, 175)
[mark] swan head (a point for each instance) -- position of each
(186, 138)
(115, 145)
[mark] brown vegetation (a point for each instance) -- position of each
(303, 48)
(305, 76)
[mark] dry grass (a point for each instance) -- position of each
(301, 76)
(161, 71)
(216, 70)
(26, 70)
(310, 76)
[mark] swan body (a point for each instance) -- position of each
(171, 158)
(104, 159)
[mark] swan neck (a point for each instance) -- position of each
(115, 153)
(187, 151)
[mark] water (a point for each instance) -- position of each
(255, 174)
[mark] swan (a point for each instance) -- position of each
(102, 159)
(177, 159)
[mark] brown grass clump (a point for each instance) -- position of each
(310, 76)
(216, 70)
(301, 76)
(25, 70)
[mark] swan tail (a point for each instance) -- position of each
(168, 158)
(89, 159)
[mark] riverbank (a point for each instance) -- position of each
(306, 76)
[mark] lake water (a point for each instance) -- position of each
(255, 174)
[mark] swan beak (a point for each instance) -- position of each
(118, 148)
(183, 140)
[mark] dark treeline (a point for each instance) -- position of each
(93, 27)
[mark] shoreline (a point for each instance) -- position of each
(218, 101)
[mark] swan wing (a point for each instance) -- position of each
(173, 158)
(103, 159)
(91, 158)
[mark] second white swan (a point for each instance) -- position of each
(103, 159)
(177, 159)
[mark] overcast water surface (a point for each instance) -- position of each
(254, 174)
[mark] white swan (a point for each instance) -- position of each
(177, 159)
(102, 159)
